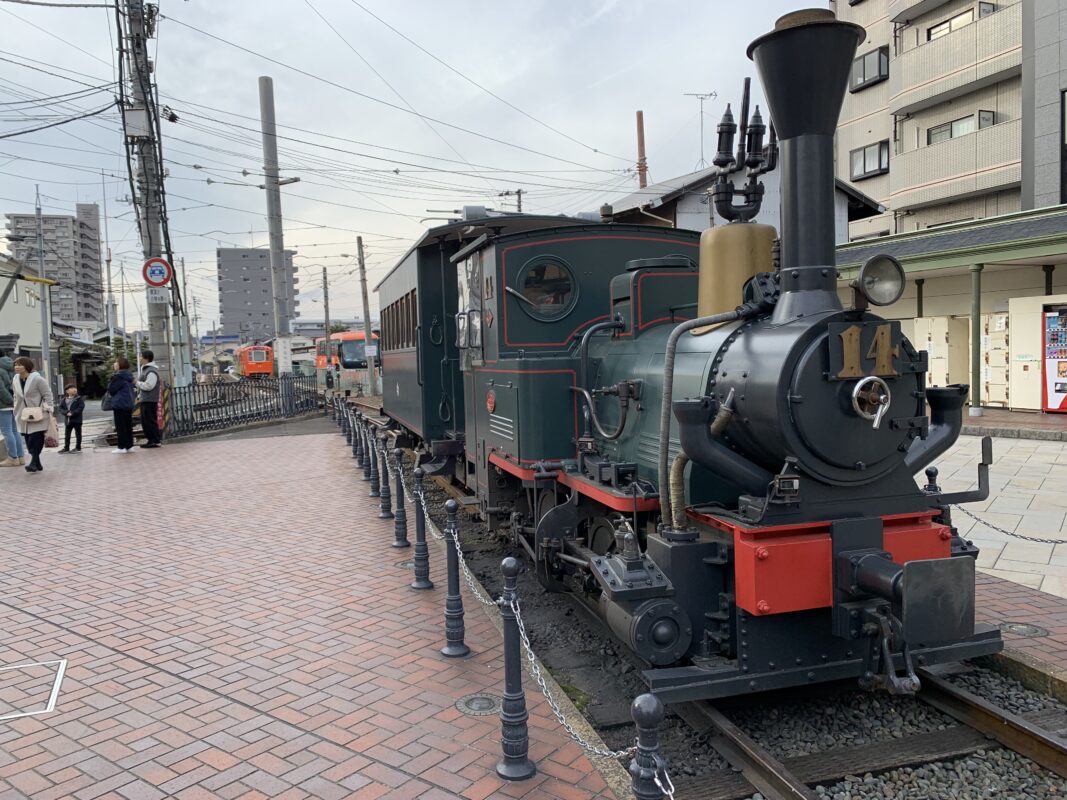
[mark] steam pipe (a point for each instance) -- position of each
(624, 407)
(694, 417)
(678, 491)
(583, 348)
(663, 484)
(946, 421)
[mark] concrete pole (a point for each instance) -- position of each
(326, 322)
(107, 250)
(642, 163)
(368, 331)
(46, 292)
(148, 177)
(196, 330)
(279, 273)
(976, 340)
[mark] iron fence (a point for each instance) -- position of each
(217, 404)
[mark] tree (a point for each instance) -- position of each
(338, 327)
(66, 362)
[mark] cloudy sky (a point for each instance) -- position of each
(389, 113)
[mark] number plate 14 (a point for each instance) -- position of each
(862, 349)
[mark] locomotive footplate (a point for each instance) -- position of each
(720, 677)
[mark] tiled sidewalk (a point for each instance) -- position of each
(236, 625)
(1028, 496)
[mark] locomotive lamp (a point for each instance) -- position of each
(881, 282)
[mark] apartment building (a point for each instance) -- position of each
(954, 110)
(246, 303)
(71, 256)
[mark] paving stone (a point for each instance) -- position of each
(239, 647)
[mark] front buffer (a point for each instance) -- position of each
(869, 598)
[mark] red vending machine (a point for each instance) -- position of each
(1054, 385)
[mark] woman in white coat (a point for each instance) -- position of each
(31, 391)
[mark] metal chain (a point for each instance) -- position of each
(1006, 532)
(535, 670)
(419, 496)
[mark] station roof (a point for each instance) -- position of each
(656, 194)
(1022, 238)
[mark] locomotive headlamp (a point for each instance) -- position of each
(881, 280)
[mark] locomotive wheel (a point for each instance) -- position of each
(600, 535)
(546, 501)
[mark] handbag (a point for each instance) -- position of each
(105, 404)
(32, 414)
(51, 437)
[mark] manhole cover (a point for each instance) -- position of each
(479, 705)
(1023, 629)
(406, 564)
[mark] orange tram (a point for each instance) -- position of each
(345, 369)
(254, 361)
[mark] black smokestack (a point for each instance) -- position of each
(804, 64)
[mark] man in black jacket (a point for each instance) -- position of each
(148, 382)
(71, 406)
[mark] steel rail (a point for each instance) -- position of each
(1011, 730)
(769, 776)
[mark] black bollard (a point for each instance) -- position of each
(339, 419)
(385, 510)
(647, 765)
(454, 628)
(348, 424)
(372, 441)
(400, 526)
(355, 437)
(364, 444)
(514, 732)
(422, 552)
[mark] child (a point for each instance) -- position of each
(72, 406)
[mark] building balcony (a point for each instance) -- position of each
(903, 10)
(978, 163)
(982, 53)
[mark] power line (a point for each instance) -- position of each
(57, 5)
(371, 98)
(488, 91)
(56, 124)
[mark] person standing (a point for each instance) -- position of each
(33, 408)
(72, 406)
(120, 389)
(16, 452)
(149, 385)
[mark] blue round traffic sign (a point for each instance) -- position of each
(157, 272)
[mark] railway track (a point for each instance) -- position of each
(1040, 736)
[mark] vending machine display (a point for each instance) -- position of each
(1054, 387)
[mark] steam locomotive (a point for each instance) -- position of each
(729, 483)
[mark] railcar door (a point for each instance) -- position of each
(470, 343)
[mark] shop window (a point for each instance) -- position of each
(869, 69)
(953, 24)
(870, 160)
(951, 130)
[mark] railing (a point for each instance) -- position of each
(218, 403)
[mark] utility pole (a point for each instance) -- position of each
(280, 282)
(368, 331)
(518, 197)
(702, 96)
(326, 322)
(122, 291)
(642, 164)
(46, 295)
(196, 333)
(141, 124)
(107, 250)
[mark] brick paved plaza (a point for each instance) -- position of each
(234, 625)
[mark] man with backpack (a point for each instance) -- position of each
(149, 384)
